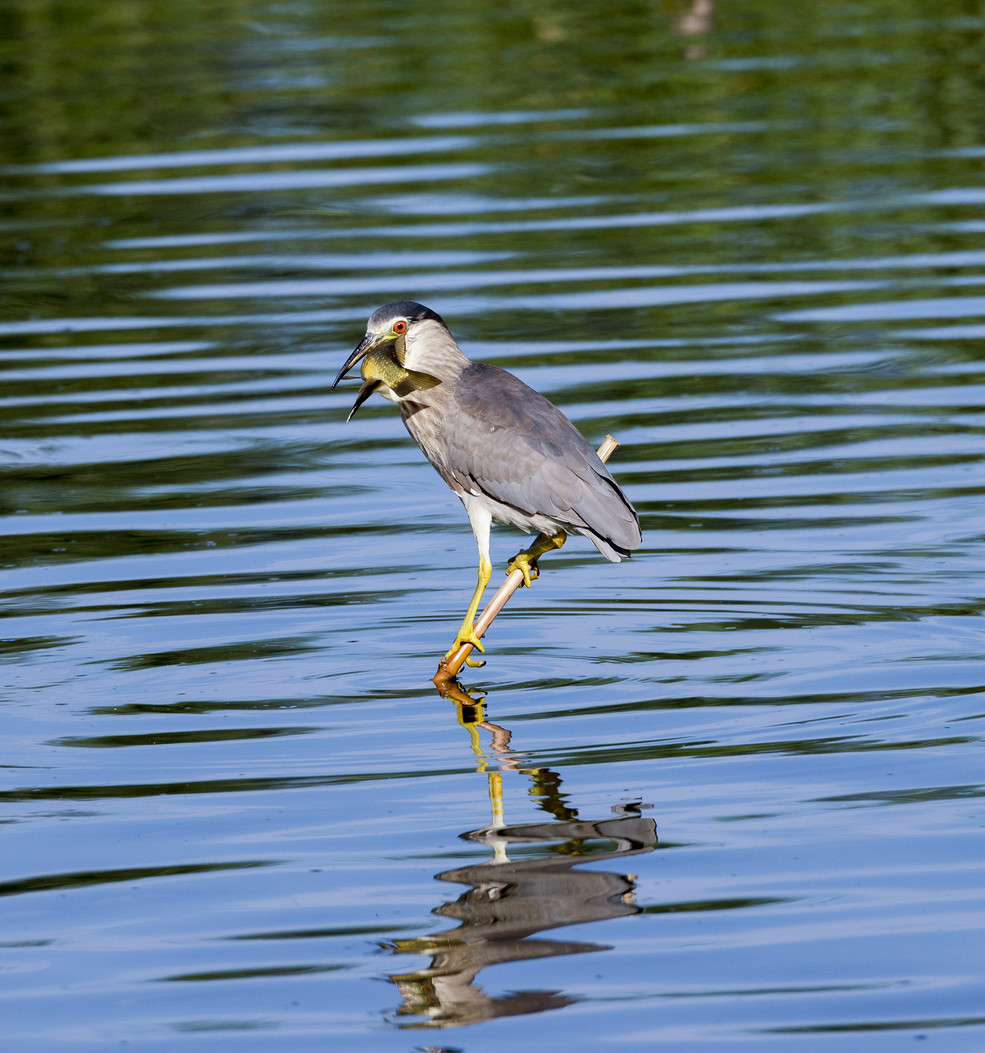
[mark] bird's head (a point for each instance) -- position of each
(394, 340)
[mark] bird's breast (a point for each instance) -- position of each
(423, 414)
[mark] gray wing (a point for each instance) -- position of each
(509, 442)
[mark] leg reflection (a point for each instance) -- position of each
(508, 902)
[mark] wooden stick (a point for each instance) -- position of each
(448, 667)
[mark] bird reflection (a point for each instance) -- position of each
(509, 901)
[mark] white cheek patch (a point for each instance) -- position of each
(417, 338)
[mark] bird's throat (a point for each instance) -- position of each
(381, 368)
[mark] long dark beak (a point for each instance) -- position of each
(365, 391)
(366, 345)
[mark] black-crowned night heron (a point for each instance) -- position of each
(509, 454)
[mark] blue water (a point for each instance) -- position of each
(728, 793)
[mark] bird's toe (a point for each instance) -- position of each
(525, 565)
(466, 635)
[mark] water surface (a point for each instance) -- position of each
(727, 793)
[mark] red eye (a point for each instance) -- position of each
(400, 327)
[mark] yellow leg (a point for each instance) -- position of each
(466, 632)
(526, 562)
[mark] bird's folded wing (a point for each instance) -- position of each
(513, 445)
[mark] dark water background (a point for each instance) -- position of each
(728, 794)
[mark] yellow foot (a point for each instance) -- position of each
(525, 565)
(526, 562)
(466, 635)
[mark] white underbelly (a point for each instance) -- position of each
(511, 517)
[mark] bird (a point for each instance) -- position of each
(508, 453)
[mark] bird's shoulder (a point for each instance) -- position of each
(493, 398)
